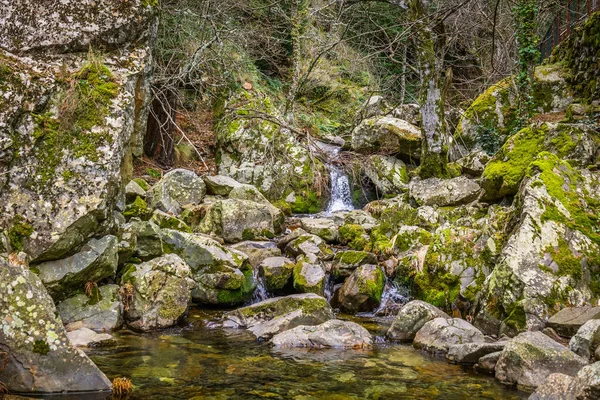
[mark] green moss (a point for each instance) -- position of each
(139, 208)
(233, 297)
(351, 257)
(353, 236)
(517, 319)
(150, 3)
(373, 287)
(18, 233)
(41, 347)
(300, 282)
(128, 273)
(143, 184)
(434, 165)
(439, 289)
(307, 202)
(568, 264)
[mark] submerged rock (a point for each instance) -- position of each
(333, 333)
(101, 312)
(41, 358)
(362, 291)
(161, 293)
(439, 334)
(411, 317)
(275, 315)
(176, 189)
(96, 261)
(530, 357)
(444, 192)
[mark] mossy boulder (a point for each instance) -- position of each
(444, 192)
(550, 257)
(101, 311)
(309, 275)
(161, 293)
(362, 291)
(325, 228)
(41, 359)
(279, 314)
(387, 135)
(276, 273)
(176, 189)
(97, 260)
(388, 174)
(167, 221)
(502, 176)
(345, 262)
(307, 245)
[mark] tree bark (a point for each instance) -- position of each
(299, 14)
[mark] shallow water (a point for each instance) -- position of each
(203, 361)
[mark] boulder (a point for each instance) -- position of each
(84, 337)
(387, 135)
(278, 314)
(410, 113)
(362, 291)
(471, 353)
(333, 333)
(474, 163)
(102, 312)
(554, 387)
(488, 362)
(251, 193)
(360, 217)
(167, 221)
(567, 321)
(345, 262)
(439, 334)
(97, 260)
(586, 340)
(146, 237)
(411, 318)
(41, 358)
(257, 251)
(236, 220)
(220, 185)
(309, 275)
(133, 190)
(444, 192)
(529, 358)
(176, 189)
(388, 174)
(324, 228)
(586, 384)
(276, 272)
(307, 244)
(161, 293)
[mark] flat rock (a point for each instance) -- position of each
(439, 334)
(333, 333)
(444, 192)
(220, 185)
(567, 321)
(411, 318)
(471, 353)
(84, 337)
(488, 362)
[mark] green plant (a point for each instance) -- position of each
(488, 136)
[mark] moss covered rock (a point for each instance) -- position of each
(345, 262)
(309, 275)
(387, 173)
(101, 311)
(176, 189)
(387, 135)
(307, 245)
(324, 228)
(362, 291)
(276, 273)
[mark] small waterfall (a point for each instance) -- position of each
(393, 298)
(260, 293)
(341, 196)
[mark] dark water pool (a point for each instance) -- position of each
(203, 361)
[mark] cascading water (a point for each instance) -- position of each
(341, 197)
(393, 298)
(260, 293)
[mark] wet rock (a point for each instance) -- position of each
(387, 135)
(362, 291)
(411, 318)
(531, 356)
(236, 220)
(325, 228)
(41, 358)
(102, 312)
(471, 353)
(439, 334)
(307, 244)
(309, 275)
(444, 192)
(84, 337)
(345, 262)
(161, 293)
(587, 339)
(488, 362)
(96, 261)
(554, 387)
(277, 272)
(567, 321)
(257, 251)
(275, 315)
(176, 189)
(333, 333)
(220, 185)
(387, 173)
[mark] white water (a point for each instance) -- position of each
(260, 293)
(341, 196)
(392, 299)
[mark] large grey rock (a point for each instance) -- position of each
(145, 236)
(587, 339)
(362, 291)
(531, 356)
(387, 135)
(133, 190)
(161, 293)
(276, 272)
(345, 262)
(488, 362)
(95, 261)
(554, 387)
(41, 358)
(439, 334)
(236, 220)
(309, 275)
(586, 384)
(84, 337)
(444, 192)
(176, 189)
(307, 244)
(325, 228)
(388, 174)
(102, 312)
(220, 185)
(278, 314)
(251, 193)
(471, 353)
(257, 251)
(333, 333)
(411, 318)
(168, 221)
(567, 321)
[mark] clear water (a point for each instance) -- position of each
(341, 196)
(203, 361)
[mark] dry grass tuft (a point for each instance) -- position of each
(122, 388)
(126, 293)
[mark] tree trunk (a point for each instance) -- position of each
(434, 147)
(158, 141)
(526, 15)
(299, 14)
